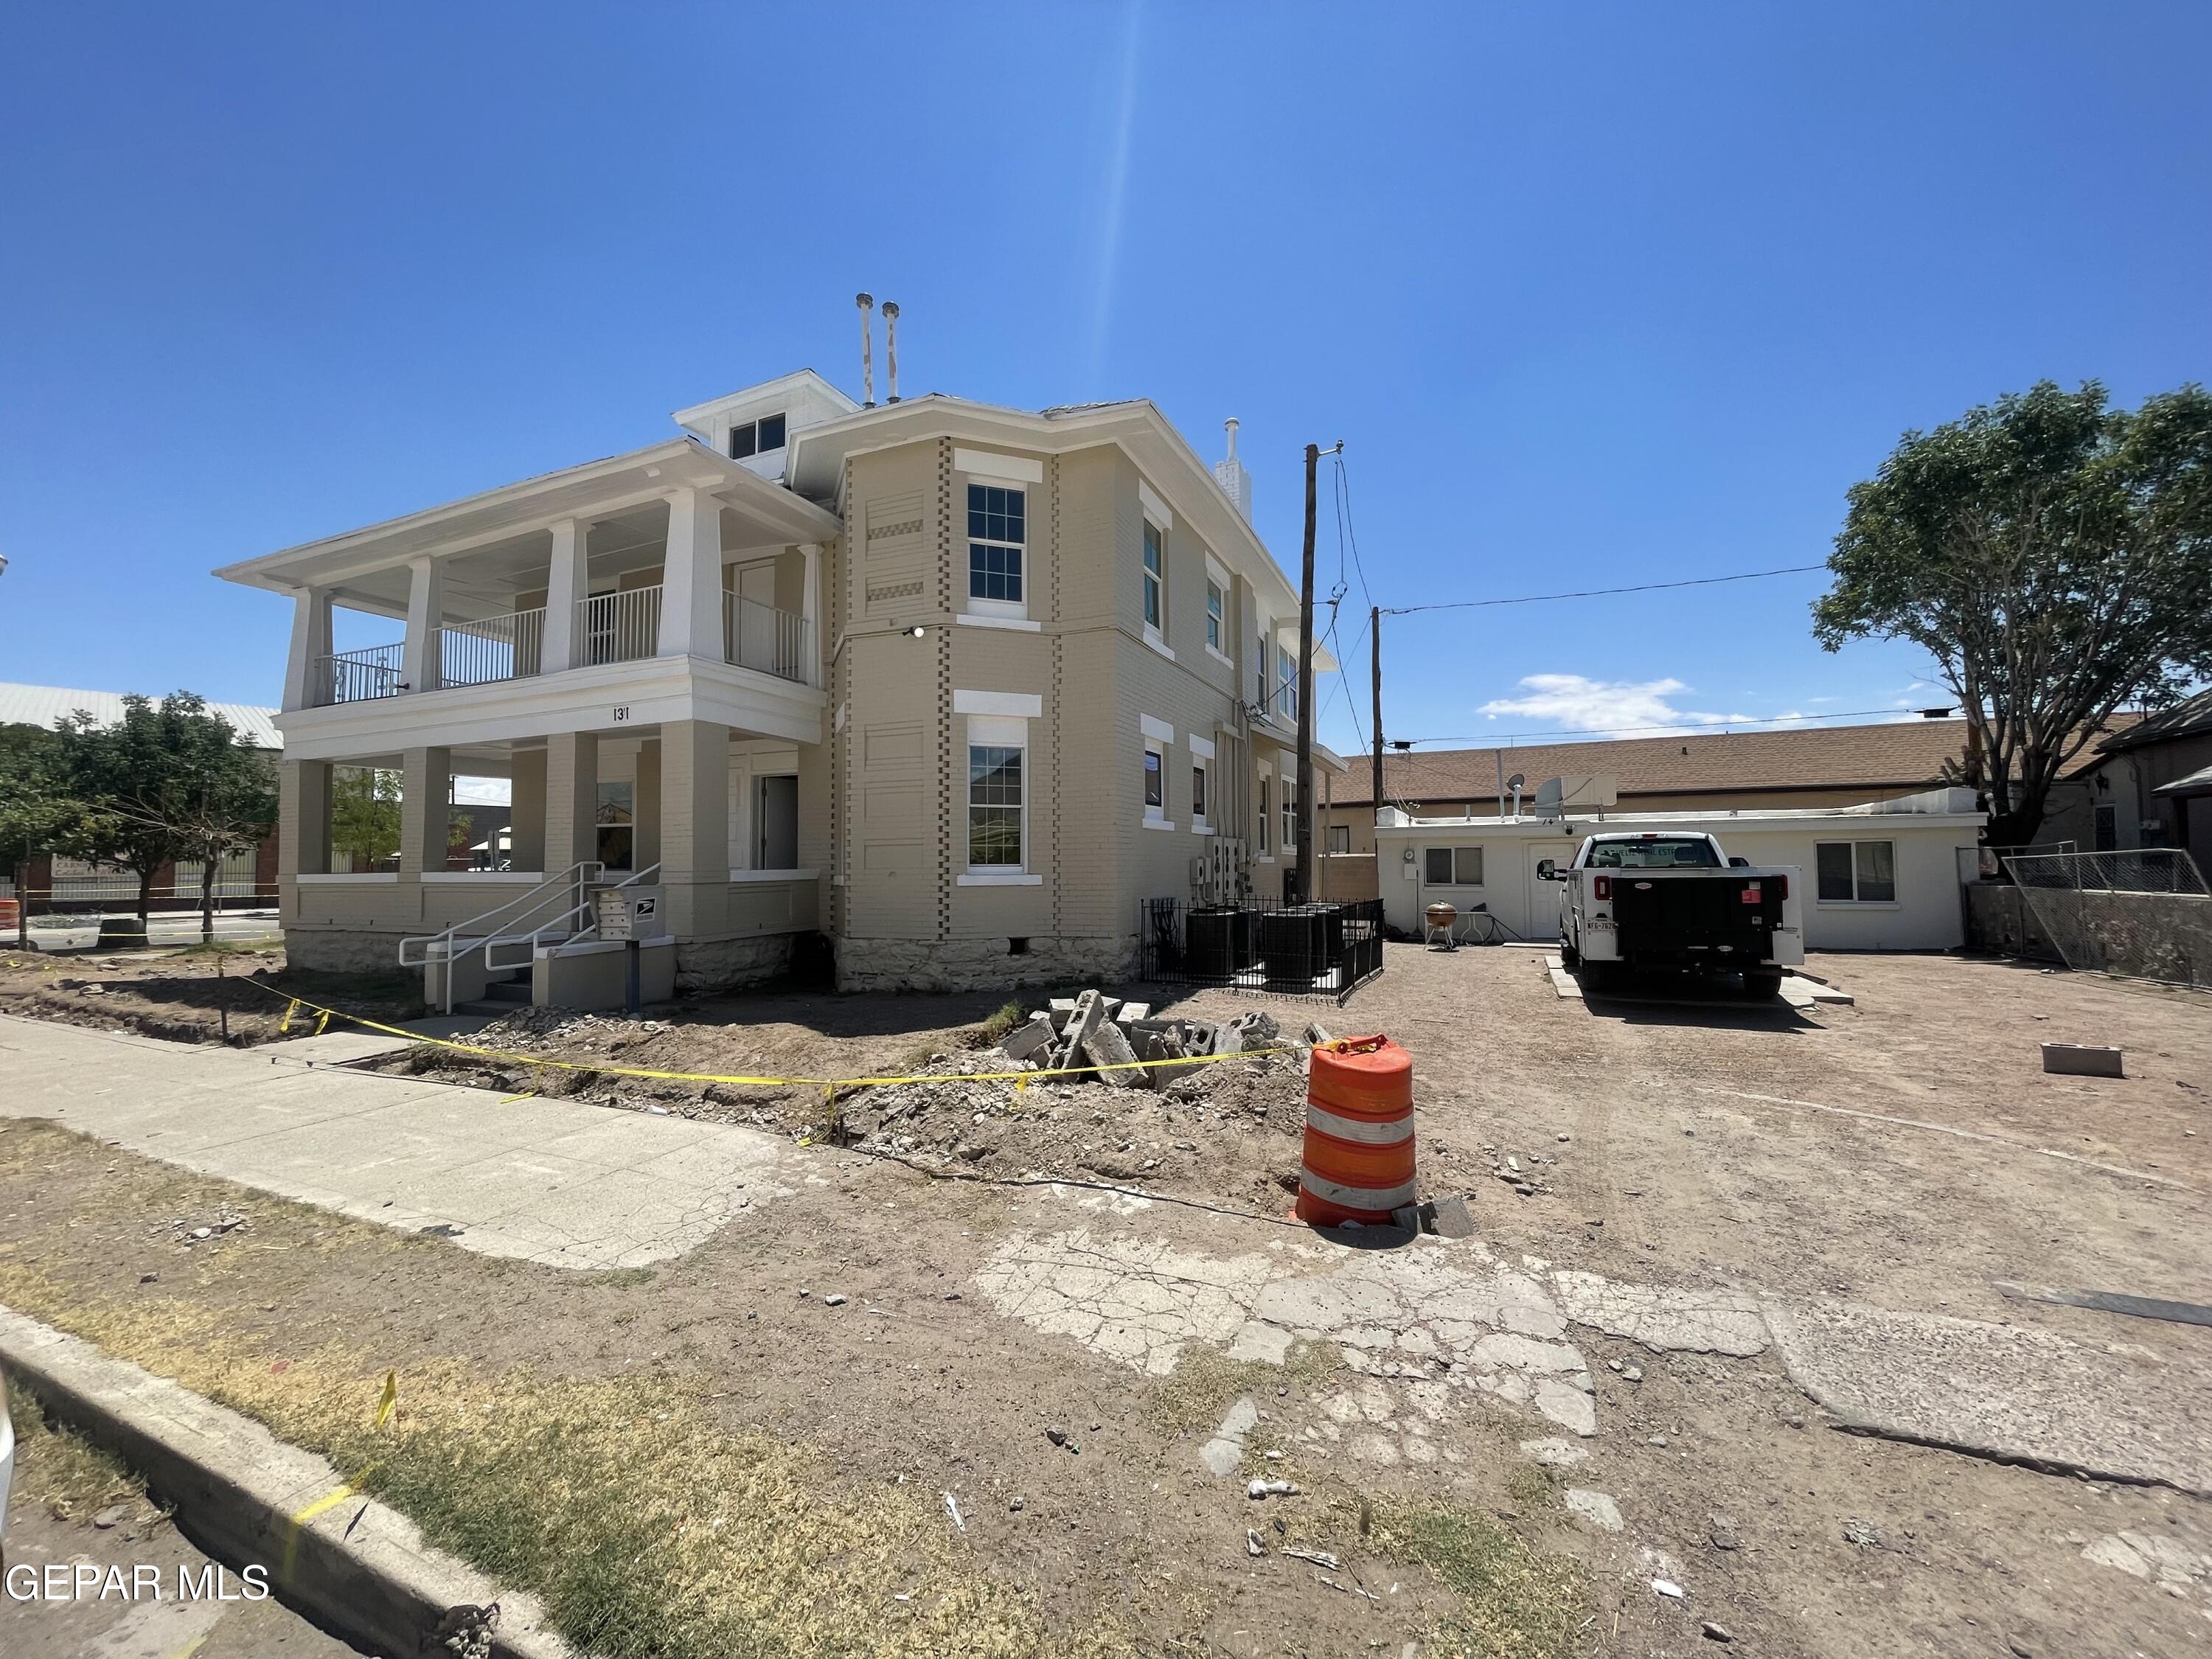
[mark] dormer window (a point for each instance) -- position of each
(759, 437)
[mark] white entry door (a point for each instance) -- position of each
(1543, 897)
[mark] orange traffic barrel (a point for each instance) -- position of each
(1359, 1159)
(9, 917)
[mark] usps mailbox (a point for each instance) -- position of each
(628, 912)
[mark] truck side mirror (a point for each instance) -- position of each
(1739, 864)
(1546, 870)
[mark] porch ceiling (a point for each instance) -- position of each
(503, 530)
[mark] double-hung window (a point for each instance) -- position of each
(1263, 815)
(1856, 871)
(998, 536)
(1155, 578)
(1199, 770)
(1156, 776)
(1214, 614)
(1287, 684)
(1290, 815)
(994, 806)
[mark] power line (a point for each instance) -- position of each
(1594, 592)
(1677, 728)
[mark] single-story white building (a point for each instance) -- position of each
(1880, 877)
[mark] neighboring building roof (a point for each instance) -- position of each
(2197, 783)
(1894, 757)
(2191, 717)
(1947, 807)
(49, 705)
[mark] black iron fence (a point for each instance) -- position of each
(1318, 949)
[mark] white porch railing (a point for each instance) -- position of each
(357, 676)
(491, 648)
(624, 627)
(757, 636)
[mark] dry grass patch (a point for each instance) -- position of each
(649, 1528)
(68, 1476)
(1515, 1601)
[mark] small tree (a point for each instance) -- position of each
(37, 813)
(2054, 556)
(364, 814)
(165, 783)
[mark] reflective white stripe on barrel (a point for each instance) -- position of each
(1357, 1198)
(1363, 1130)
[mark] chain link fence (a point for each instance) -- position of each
(2143, 913)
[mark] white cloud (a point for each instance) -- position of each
(1578, 703)
(483, 791)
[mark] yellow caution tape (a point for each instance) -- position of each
(385, 1406)
(827, 1085)
(329, 1500)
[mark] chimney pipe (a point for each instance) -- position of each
(1230, 425)
(891, 344)
(868, 305)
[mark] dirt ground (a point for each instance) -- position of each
(193, 994)
(1670, 1145)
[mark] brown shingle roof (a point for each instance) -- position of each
(1896, 757)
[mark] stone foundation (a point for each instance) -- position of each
(724, 964)
(981, 964)
(332, 951)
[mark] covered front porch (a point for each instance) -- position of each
(476, 862)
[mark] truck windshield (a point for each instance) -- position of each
(1654, 852)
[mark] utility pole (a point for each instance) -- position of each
(1375, 677)
(1305, 690)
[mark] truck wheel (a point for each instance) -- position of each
(1600, 975)
(1764, 984)
(1569, 956)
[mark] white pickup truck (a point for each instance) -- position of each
(1648, 899)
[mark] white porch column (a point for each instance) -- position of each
(691, 577)
(567, 584)
(809, 607)
(311, 642)
(426, 615)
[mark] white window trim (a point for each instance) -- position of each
(1159, 740)
(1158, 517)
(1201, 760)
(1014, 705)
(1220, 578)
(1004, 611)
(989, 466)
(1005, 725)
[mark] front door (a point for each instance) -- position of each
(776, 819)
(1543, 897)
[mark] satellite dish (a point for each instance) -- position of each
(1515, 781)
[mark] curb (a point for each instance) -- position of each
(360, 1570)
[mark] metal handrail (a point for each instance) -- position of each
(536, 936)
(360, 675)
(575, 876)
(491, 648)
(619, 627)
(760, 636)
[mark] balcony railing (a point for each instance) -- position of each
(757, 636)
(622, 627)
(358, 675)
(508, 647)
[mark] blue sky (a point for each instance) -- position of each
(1593, 295)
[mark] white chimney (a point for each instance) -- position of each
(891, 344)
(1233, 477)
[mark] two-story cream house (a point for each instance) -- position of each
(957, 686)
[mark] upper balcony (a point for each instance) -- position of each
(668, 584)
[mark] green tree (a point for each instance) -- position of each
(168, 781)
(2054, 556)
(364, 814)
(37, 812)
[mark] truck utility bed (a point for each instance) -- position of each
(1688, 918)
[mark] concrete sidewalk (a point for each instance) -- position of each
(549, 1181)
